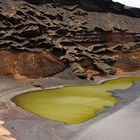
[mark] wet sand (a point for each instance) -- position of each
(24, 125)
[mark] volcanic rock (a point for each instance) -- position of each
(43, 37)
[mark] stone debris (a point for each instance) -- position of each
(4, 133)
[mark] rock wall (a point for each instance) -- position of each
(29, 64)
(92, 37)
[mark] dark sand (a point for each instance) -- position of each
(26, 126)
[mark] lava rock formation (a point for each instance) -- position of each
(91, 37)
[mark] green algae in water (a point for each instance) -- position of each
(75, 104)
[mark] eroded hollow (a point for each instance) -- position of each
(74, 104)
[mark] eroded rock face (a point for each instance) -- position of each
(29, 64)
(92, 37)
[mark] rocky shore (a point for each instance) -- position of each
(55, 43)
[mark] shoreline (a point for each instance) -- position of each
(17, 120)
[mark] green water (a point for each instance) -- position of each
(74, 104)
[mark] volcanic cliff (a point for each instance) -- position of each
(90, 37)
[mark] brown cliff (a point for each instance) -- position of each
(90, 37)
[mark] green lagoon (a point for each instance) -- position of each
(74, 104)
